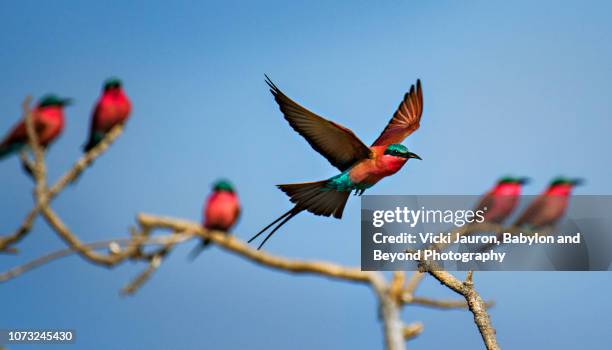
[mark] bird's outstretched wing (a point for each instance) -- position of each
(336, 143)
(405, 120)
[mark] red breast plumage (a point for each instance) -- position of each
(112, 108)
(221, 212)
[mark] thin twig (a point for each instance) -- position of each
(440, 304)
(412, 330)
(83, 250)
(413, 282)
(142, 277)
(105, 244)
(86, 160)
(69, 177)
(22, 231)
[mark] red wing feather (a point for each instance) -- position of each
(405, 120)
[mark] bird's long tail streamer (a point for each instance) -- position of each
(277, 227)
(287, 216)
(315, 197)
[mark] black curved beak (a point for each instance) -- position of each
(412, 155)
(577, 182)
(66, 101)
(524, 180)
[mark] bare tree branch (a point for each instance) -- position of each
(85, 161)
(237, 246)
(397, 283)
(475, 303)
(113, 245)
(69, 177)
(440, 304)
(392, 324)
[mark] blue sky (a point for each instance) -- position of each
(518, 88)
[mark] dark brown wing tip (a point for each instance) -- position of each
(418, 88)
(273, 88)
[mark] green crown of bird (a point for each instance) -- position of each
(361, 167)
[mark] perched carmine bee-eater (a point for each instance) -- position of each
(361, 166)
(48, 118)
(502, 199)
(221, 211)
(547, 208)
(112, 108)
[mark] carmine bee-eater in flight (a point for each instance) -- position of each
(361, 166)
(550, 206)
(221, 211)
(112, 108)
(48, 118)
(502, 199)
